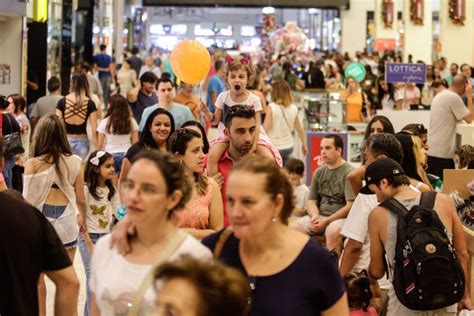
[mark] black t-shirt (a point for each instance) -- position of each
(143, 101)
(83, 112)
(308, 286)
(28, 245)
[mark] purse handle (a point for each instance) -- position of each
(167, 252)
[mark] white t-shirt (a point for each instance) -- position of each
(387, 102)
(252, 100)
(116, 143)
(283, 125)
(447, 108)
(224, 97)
(301, 194)
(356, 228)
(99, 212)
(114, 280)
(407, 95)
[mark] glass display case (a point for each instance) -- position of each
(323, 111)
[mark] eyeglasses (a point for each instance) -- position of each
(144, 190)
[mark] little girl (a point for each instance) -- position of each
(359, 294)
(238, 74)
(102, 200)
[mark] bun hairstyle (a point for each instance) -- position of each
(276, 181)
(358, 290)
(173, 174)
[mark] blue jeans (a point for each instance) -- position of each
(79, 146)
(285, 154)
(105, 83)
(8, 165)
(118, 159)
(86, 261)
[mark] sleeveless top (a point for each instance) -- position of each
(69, 110)
(394, 305)
(283, 125)
(37, 186)
(196, 212)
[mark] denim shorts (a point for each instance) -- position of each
(79, 146)
(54, 212)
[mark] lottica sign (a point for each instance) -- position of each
(413, 73)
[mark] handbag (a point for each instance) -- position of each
(12, 142)
(167, 252)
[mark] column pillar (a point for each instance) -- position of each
(353, 26)
(118, 30)
(456, 40)
(418, 39)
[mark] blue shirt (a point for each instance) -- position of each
(217, 85)
(180, 113)
(103, 61)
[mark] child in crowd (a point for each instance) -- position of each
(463, 156)
(238, 74)
(102, 200)
(295, 169)
(359, 294)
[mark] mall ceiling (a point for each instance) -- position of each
(251, 3)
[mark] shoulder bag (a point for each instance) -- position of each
(12, 142)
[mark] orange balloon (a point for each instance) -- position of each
(190, 61)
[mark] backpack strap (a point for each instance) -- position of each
(428, 199)
(395, 207)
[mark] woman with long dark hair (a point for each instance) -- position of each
(75, 109)
(158, 128)
(118, 131)
(54, 184)
(386, 95)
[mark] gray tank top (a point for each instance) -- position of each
(396, 308)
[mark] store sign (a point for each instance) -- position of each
(413, 73)
(355, 70)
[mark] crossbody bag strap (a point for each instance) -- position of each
(221, 242)
(284, 116)
(167, 252)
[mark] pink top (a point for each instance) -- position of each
(196, 212)
(370, 312)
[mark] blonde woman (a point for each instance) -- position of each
(358, 105)
(281, 121)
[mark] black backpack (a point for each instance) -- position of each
(427, 274)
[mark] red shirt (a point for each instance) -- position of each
(225, 165)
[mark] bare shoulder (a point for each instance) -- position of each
(444, 203)
(34, 164)
(378, 214)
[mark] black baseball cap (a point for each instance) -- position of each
(381, 168)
